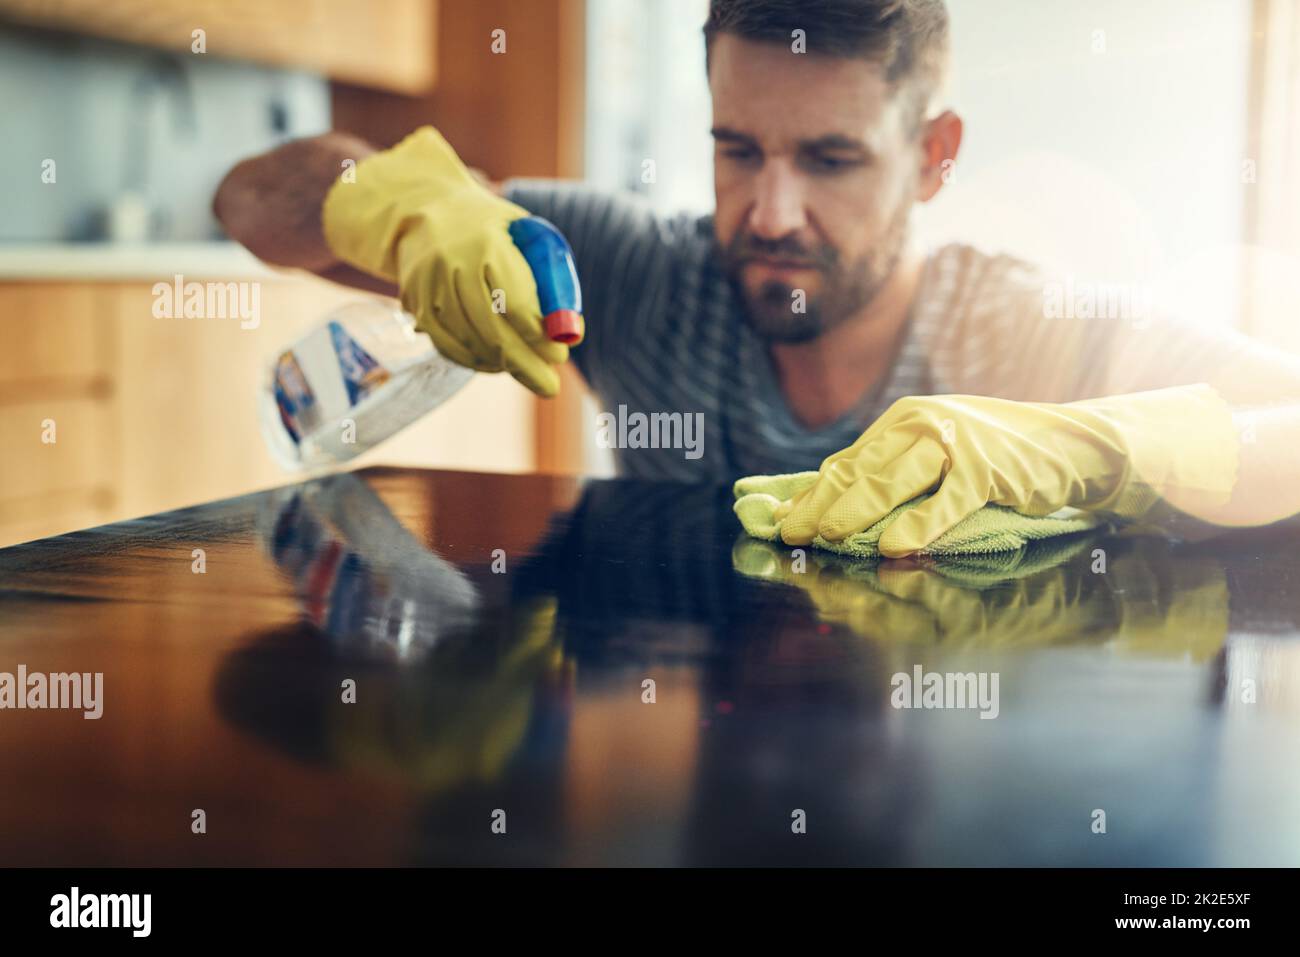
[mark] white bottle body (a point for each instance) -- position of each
(364, 374)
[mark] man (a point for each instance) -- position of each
(801, 319)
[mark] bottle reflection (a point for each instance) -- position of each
(444, 687)
(359, 575)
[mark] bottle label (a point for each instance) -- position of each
(322, 378)
(294, 397)
(361, 373)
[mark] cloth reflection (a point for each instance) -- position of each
(1125, 594)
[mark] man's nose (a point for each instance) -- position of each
(778, 208)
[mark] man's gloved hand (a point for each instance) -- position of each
(415, 215)
(1118, 455)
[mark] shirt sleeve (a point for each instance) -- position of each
(1162, 351)
(988, 332)
(1003, 328)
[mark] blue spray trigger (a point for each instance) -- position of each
(549, 257)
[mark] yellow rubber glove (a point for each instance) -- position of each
(1117, 455)
(414, 215)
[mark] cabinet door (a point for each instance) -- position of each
(151, 414)
(187, 393)
(58, 429)
(384, 43)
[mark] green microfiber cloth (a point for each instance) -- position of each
(993, 528)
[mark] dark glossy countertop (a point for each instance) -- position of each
(500, 631)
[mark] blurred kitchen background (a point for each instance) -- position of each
(1146, 142)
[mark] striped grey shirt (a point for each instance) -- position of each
(665, 333)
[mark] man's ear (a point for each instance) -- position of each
(940, 141)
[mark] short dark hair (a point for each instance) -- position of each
(909, 38)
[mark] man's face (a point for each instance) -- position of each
(815, 170)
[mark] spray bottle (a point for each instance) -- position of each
(366, 372)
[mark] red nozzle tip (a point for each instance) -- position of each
(564, 325)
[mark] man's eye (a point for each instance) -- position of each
(739, 153)
(831, 164)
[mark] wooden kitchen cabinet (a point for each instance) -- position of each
(152, 414)
(387, 44)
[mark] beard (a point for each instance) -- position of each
(771, 309)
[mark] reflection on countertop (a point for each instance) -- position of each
(628, 682)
